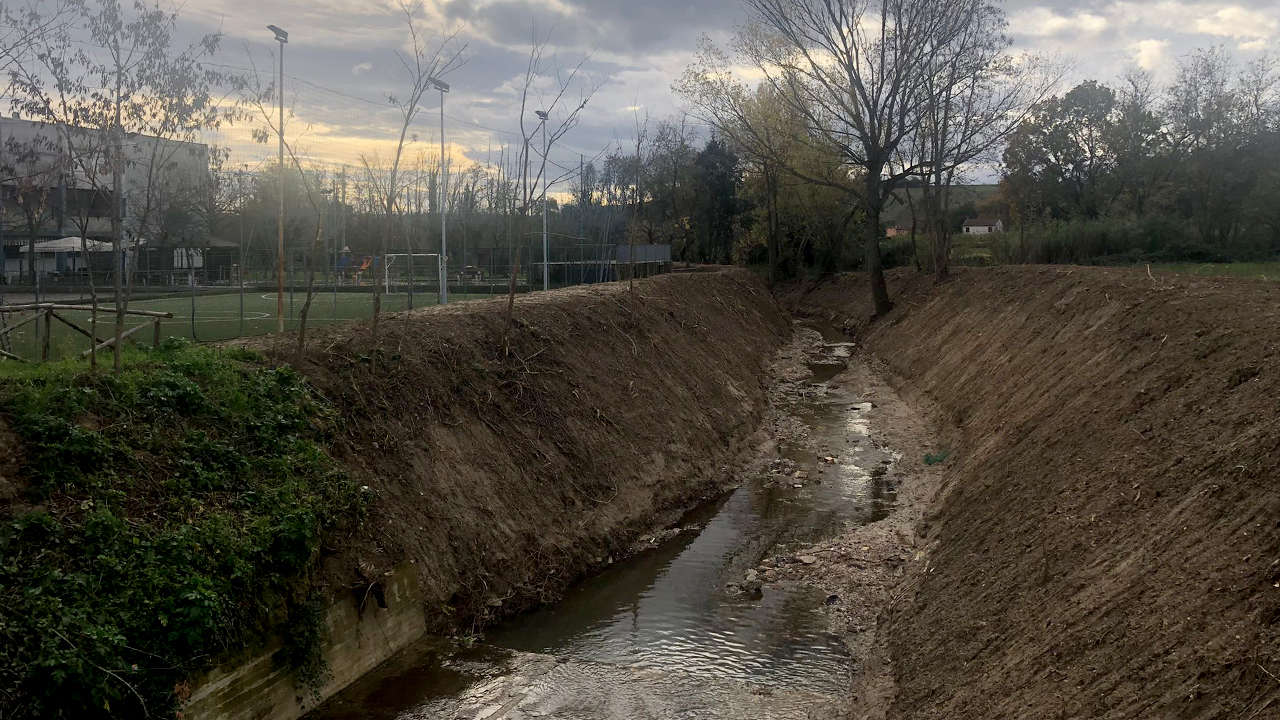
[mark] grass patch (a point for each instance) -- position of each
(180, 508)
(936, 458)
(212, 318)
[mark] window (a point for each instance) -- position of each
(88, 202)
(188, 258)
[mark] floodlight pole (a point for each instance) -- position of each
(283, 38)
(443, 260)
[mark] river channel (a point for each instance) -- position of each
(683, 629)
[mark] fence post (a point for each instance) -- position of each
(48, 328)
(155, 343)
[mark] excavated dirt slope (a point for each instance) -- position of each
(1107, 543)
(504, 476)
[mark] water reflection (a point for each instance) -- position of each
(669, 608)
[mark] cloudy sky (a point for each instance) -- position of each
(342, 64)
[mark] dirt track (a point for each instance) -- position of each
(1107, 540)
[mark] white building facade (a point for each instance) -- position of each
(55, 196)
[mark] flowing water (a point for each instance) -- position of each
(678, 611)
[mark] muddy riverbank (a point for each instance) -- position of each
(1105, 543)
(758, 604)
(505, 458)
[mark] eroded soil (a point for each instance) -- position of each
(763, 604)
(1107, 544)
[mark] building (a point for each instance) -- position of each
(51, 197)
(982, 226)
(894, 231)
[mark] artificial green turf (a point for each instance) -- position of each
(217, 317)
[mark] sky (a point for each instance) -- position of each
(342, 64)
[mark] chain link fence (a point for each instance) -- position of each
(208, 253)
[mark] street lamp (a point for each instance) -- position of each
(546, 246)
(283, 38)
(443, 260)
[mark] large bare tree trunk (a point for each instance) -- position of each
(771, 208)
(875, 264)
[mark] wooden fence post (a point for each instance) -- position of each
(48, 330)
(155, 344)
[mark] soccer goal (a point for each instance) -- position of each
(406, 267)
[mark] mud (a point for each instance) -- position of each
(508, 459)
(734, 613)
(1105, 542)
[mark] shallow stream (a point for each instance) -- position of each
(686, 606)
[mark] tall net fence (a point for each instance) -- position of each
(457, 230)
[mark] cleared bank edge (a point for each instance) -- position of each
(646, 397)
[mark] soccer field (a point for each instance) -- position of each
(208, 318)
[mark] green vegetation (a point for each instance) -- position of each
(217, 317)
(1185, 172)
(1103, 241)
(177, 514)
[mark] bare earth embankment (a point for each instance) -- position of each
(1106, 539)
(461, 468)
(505, 476)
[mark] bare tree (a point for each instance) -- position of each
(429, 59)
(638, 221)
(255, 106)
(101, 77)
(854, 70)
(975, 94)
(557, 118)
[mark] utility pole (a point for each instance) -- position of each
(283, 38)
(546, 245)
(333, 232)
(443, 260)
(3, 276)
(583, 201)
(240, 280)
(342, 231)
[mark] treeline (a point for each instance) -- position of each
(1185, 171)
(836, 107)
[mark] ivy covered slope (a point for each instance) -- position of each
(173, 514)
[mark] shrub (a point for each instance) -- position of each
(1107, 241)
(182, 505)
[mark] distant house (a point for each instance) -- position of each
(983, 226)
(64, 258)
(207, 260)
(176, 261)
(895, 231)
